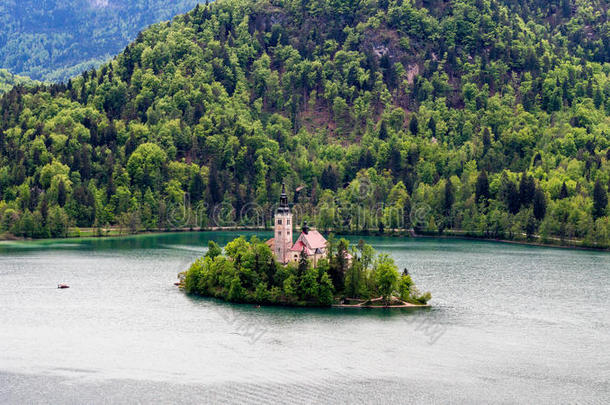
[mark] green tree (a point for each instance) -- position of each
(539, 204)
(145, 164)
(339, 264)
(527, 189)
(303, 265)
(325, 292)
(405, 285)
(308, 286)
(354, 279)
(482, 187)
(564, 191)
(236, 290)
(213, 250)
(449, 197)
(290, 288)
(600, 200)
(414, 125)
(58, 222)
(61, 193)
(387, 278)
(9, 219)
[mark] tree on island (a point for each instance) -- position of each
(213, 250)
(387, 277)
(338, 263)
(325, 294)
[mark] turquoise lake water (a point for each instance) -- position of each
(509, 324)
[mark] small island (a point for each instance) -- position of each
(248, 272)
(312, 271)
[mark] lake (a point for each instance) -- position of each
(509, 324)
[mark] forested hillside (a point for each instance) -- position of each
(54, 40)
(493, 115)
(8, 80)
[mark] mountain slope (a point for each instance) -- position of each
(481, 114)
(54, 40)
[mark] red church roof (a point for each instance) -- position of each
(314, 239)
(298, 247)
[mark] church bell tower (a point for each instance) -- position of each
(283, 228)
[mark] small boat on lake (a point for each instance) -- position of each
(62, 286)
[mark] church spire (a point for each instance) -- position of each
(283, 208)
(284, 197)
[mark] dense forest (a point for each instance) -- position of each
(491, 117)
(8, 80)
(53, 40)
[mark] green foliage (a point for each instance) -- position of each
(213, 250)
(387, 277)
(600, 200)
(492, 115)
(241, 276)
(355, 280)
(8, 80)
(236, 290)
(144, 165)
(405, 287)
(325, 292)
(57, 222)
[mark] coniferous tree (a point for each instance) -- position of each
(449, 197)
(510, 196)
(486, 140)
(330, 178)
(44, 210)
(527, 188)
(214, 186)
(196, 187)
(302, 267)
(383, 130)
(539, 204)
(61, 193)
(414, 125)
(600, 200)
(530, 224)
(432, 126)
(130, 145)
(482, 187)
(563, 193)
(338, 265)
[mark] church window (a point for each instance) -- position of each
(287, 222)
(279, 222)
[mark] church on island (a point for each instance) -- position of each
(309, 241)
